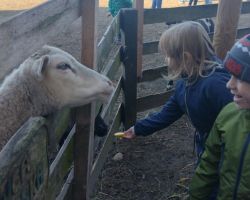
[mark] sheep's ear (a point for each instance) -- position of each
(40, 66)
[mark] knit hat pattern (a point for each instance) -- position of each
(237, 61)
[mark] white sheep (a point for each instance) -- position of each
(48, 80)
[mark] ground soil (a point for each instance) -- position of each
(157, 167)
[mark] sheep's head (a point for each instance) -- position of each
(70, 82)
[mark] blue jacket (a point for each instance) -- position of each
(201, 101)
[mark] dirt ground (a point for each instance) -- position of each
(157, 167)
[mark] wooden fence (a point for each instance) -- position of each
(37, 163)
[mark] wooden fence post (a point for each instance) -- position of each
(226, 26)
(139, 5)
(128, 24)
(84, 136)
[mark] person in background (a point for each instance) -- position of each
(116, 5)
(225, 164)
(156, 3)
(194, 2)
(208, 2)
(201, 90)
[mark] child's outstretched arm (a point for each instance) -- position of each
(205, 179)
(170, 112)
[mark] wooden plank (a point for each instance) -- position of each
(153, 47)
(178, 14)
(81, 152)
(150, 47)
(129, 27)
(60, 167)
(110, 106)
(139, 5)
(66, 192)
(102, 156)
(245, 8)
(84, 136)
(241, 32)
(107, 41)
(173, 15)
(113, 65)
(24, 163)
(226, 26)
(25, 33)
(153, 73)
(58, 123)
(153, 101)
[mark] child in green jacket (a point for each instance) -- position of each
(225, 164)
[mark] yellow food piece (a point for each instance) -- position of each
(119, 134)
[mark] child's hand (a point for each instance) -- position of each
(130, 133)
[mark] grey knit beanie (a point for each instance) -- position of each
(237, 61)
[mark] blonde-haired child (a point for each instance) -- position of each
(188, 49)
(200, 91)
(225, 164)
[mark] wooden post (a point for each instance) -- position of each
(128, 26)
(84, 136)
(226, 26)
(139, 5)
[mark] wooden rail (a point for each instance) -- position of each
(22, 174)
(152, 47)
(129, 20)
(102, 156)
(104, 46)
(175, 15)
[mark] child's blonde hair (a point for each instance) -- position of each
(189, 47)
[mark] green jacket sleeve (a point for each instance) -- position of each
(206, 174)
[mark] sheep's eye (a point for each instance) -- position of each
(63, 66)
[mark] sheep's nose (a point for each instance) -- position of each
(110, 83)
